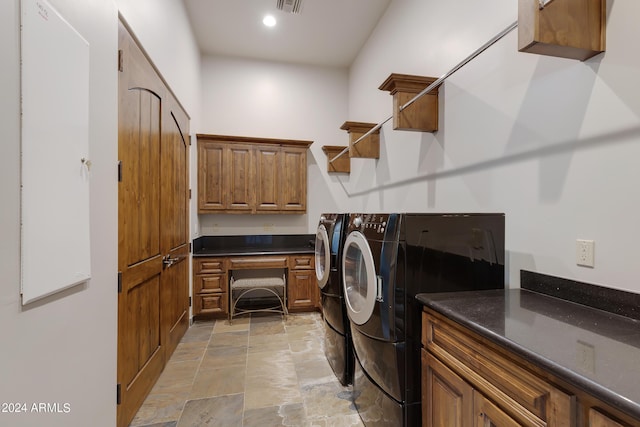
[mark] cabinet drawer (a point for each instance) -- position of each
(210, 283)
(258, 262)
(498, 377)
(209, 265)
(211, 304)
(302, 262)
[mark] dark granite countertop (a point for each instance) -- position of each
(595, 350)
(263, 244)
(251, 251)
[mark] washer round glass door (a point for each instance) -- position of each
(358, 278)
(323, 257)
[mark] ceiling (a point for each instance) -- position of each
(325, 33)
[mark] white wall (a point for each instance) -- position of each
(276, 100)
(62, 349)
(551, 142)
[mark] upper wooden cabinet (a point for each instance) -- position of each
(251, 175)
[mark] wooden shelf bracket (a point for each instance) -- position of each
(368, 147)
(341, 164)
(421, 115)
(565, 28)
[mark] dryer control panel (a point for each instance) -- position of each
(373, 226)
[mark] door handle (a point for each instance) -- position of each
(167, 261)
(379, 288)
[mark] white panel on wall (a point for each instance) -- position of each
(55, 241)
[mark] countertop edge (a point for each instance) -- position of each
(209, 253)
(570, 376)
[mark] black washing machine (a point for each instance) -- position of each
(389, 258)
(338, 348)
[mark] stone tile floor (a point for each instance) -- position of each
(261, 371)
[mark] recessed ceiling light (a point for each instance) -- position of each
(269, 21)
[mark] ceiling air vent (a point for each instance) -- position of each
(291, 6)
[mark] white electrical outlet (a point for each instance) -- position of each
(585, 252)
(268, 227)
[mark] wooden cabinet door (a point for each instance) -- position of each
(489, 415)
(300, 290)
(211, 192)
(304, 293)
(447, 400)
(598, 419)
(225, 177)
(294, 179)
(268, 178)
(238, 178)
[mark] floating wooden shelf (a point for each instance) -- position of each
(369, 147)
(342, 164)
(566, 28)
(422, 114)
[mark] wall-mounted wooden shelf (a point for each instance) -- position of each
(565, 28)
(369, 147)
(422, 114)
(340, 165)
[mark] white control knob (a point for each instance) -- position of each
(357, 222)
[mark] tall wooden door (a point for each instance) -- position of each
(152, 226)
(174, 226)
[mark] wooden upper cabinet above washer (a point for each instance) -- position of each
(251, 175)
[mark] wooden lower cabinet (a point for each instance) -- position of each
(210, 286)
(300, 295)
(452, 402)
(526, 398)
(470, 381)
(302, 287)
(211, 277)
